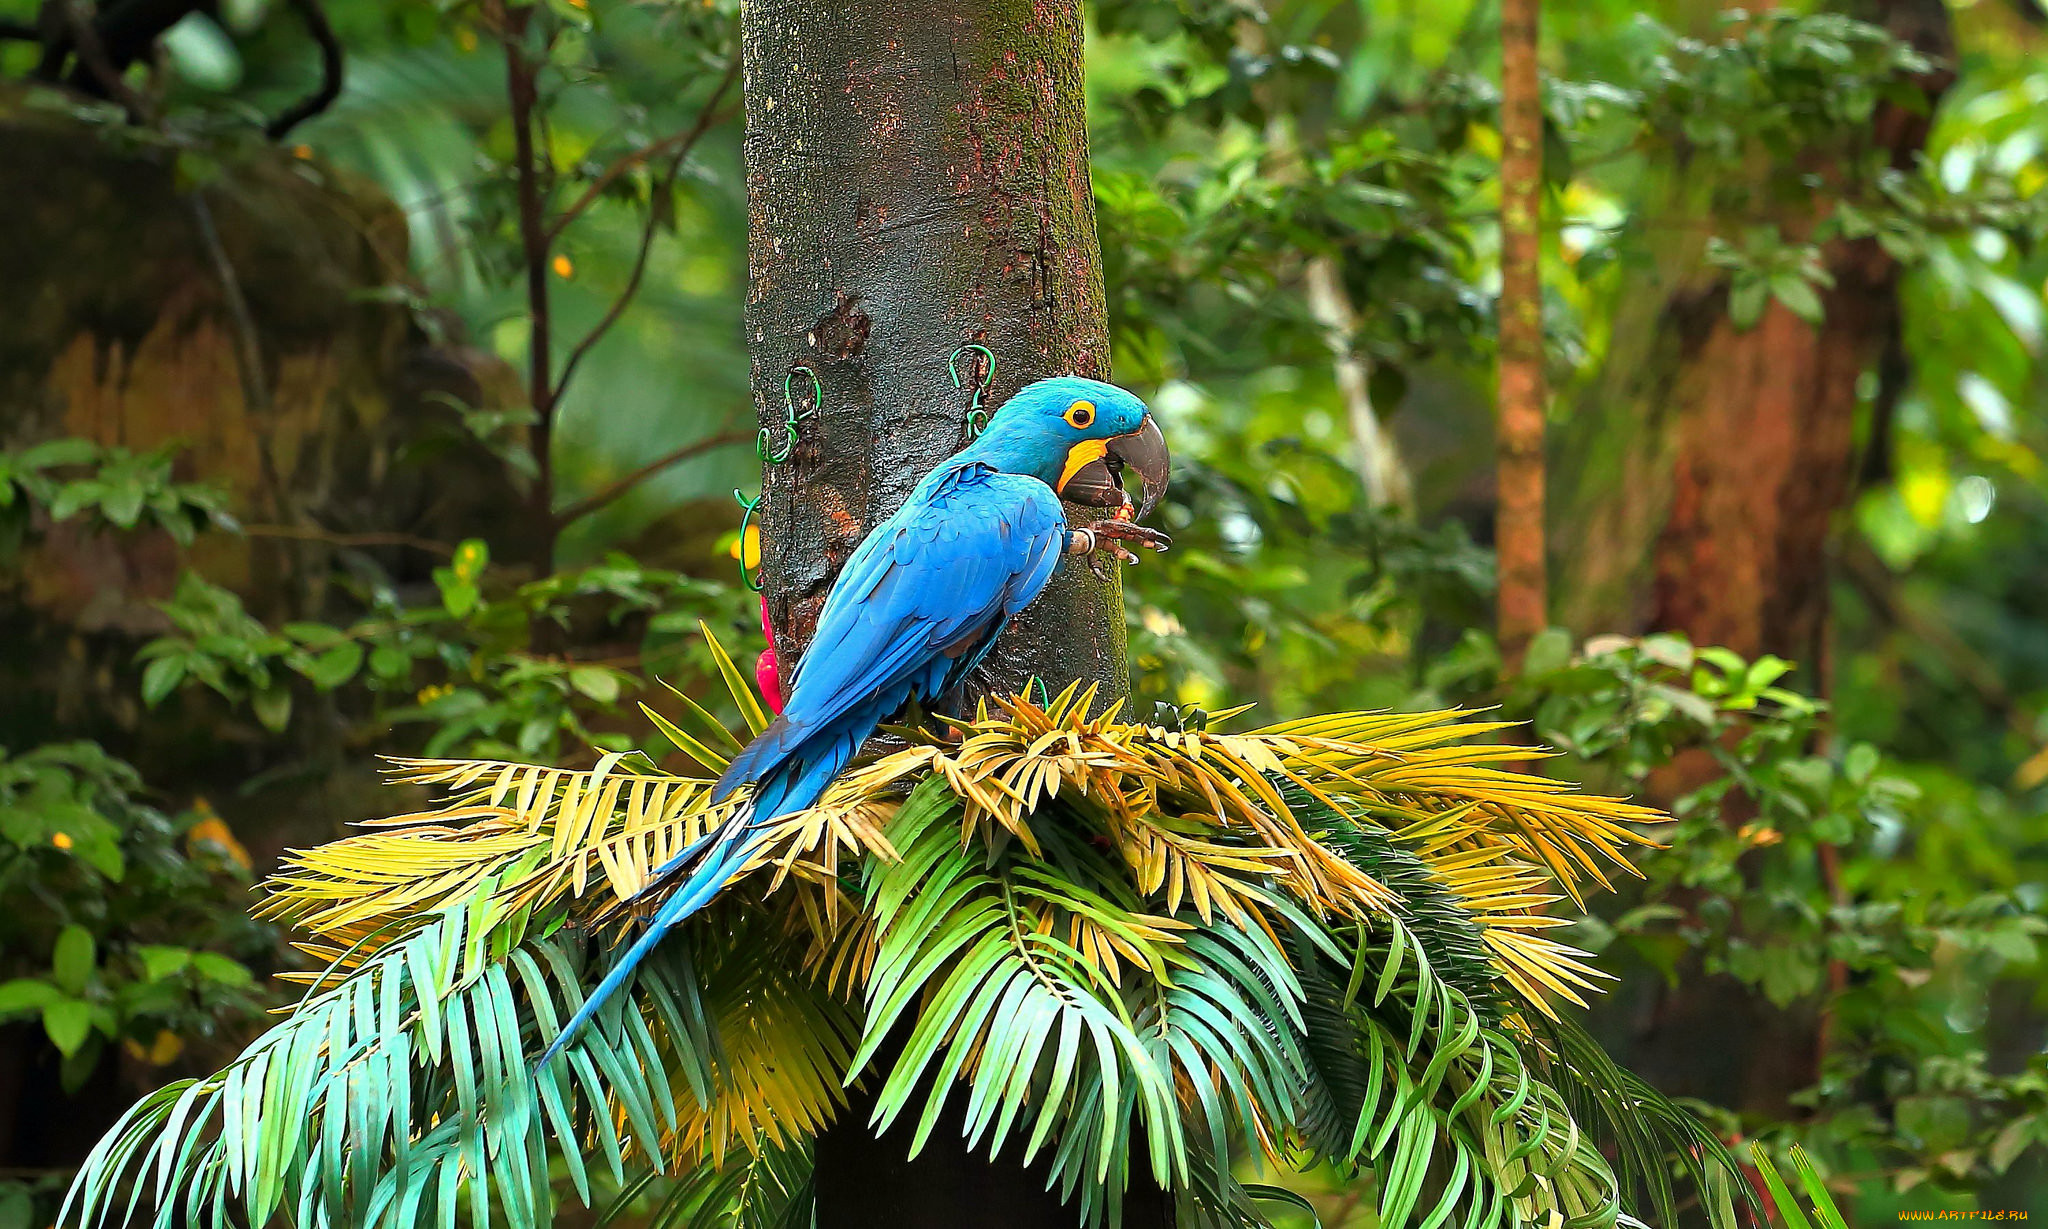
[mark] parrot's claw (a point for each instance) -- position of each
(1131, 531)
(1109, 538)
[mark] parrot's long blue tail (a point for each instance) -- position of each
(710, 862)
(717, 855)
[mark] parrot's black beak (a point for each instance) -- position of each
(1099, 484)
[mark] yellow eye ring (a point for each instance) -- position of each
(1081, 415)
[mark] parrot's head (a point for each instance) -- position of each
(1079, 435)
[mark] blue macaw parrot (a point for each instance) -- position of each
(918, 605)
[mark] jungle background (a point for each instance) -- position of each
(372, 381)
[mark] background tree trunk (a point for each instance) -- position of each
(1738, 445)
(917, 183)
(1738, 452)
(1523, 603)
(292, 394)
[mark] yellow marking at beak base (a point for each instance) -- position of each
(1078, 459)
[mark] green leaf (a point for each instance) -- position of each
(159, 962)
(1860, 763)
(1788, 1210)
(52, 453)
(335, 666)
(596, 682)
(1798, 296)
(1668, 649)
(1816, 1190)
(471, 557)
(2005, 1148)
(1766, 670)
(67, 1021)
(458, 597)
(161, 679)
(742, 691)
(26, 994)
(1746, 300)
(273, 706)
(686, 742)
(217, 968)
(313, 635)
(390, 662)
(1549, 650)
(72, 963)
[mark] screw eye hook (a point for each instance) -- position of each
(985, 373)
(752, 580)
(773, 451)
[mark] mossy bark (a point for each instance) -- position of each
(918, 183)
(1701, 479)
(309, 406)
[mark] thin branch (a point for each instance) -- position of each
(627, 162)
(522, 90)
(705, 119)
(313, 104)
(19, 32)
(1937, 640)
(92, 56)
(248, 343)
(315, 534)
(1380, 469)
(248, 346)
(626, 482)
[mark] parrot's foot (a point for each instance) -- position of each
(1109, 538)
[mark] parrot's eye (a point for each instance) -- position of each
(1081, 415)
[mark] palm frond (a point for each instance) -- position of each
(1408, 1077)
(406, 1092)
(529, 829)
(397, 1096)
(1092, 938)
(1039, 1035)
(762, 1187)
(1822, 1205)
(1646, 1132)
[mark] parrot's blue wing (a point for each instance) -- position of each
(914, 610)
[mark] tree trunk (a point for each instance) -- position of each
(917, 183)
(1709, 463)
(1523, 606)
(229, 317)
(1702, 482)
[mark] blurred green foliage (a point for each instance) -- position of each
(1875, 861)
(128, 925)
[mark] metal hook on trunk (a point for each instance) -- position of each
(778, 451)
(977, 417)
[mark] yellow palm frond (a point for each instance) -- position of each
(528, 828)
(1199, 818)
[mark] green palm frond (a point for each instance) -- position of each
(1001, 988)
(1825, 1214)
(786, 1038)
(1408, 1075)
(1103, 943)
(764, 1187)
(1647, 1133)
(395, 1096)
(406, 1092)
